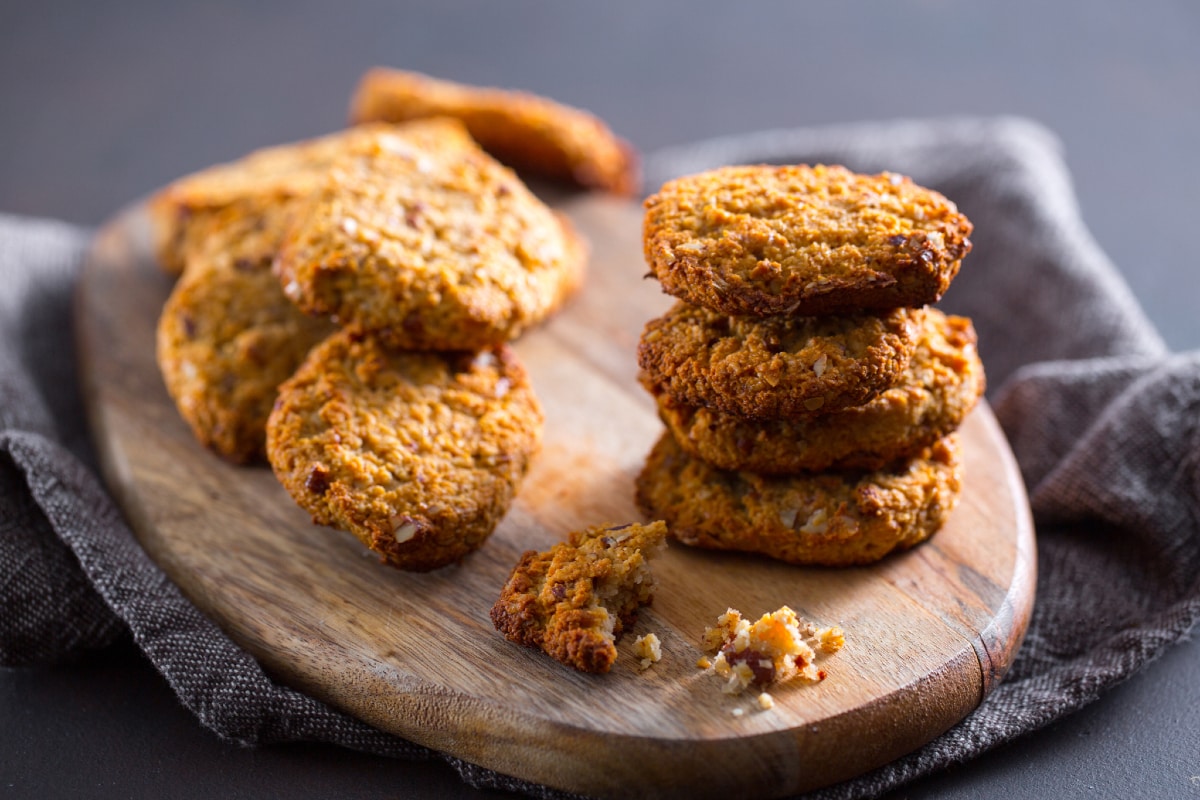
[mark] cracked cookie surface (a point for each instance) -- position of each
(418, 454)
(523, 130)
(776, 367)
(942, 383)
(419, 236)
(829, 518)
(763, 240)
(227, 336)
(573, 600)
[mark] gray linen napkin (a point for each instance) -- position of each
(1105, 424)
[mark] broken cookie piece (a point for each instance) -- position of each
(777, 648)
(573, 600)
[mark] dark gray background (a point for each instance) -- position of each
(102, 102)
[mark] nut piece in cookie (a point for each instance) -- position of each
(418, 454)
(419, 236)
(574, 599)
(830, 518)
(522, 130)
(227, 336)
(778, 647)
(941, 385)
(802, 240)
(262, 179)
(776, 367)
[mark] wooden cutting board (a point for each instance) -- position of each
(928, 632)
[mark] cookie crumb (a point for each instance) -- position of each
(649, 649)
(777, 648)
(703, 662)
(831, 639)
(737, 712)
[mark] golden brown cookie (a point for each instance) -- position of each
(227, 336)
(523, 130)
(574, 599)
(941, 385)
(802, 240)
(418, 235)
(776, 367)
(263, 179)
(418, 454)
(830, 518)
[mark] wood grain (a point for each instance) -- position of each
(929, 632)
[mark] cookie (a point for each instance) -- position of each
(941, 385)
(263, 179)
(766, 240)
(573, 600)
(419, 236)
(527, 132)
(829, 518)
(227, 336)
(776, 367)
(418, 454)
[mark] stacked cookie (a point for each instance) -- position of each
(810, 396)
(344, 308)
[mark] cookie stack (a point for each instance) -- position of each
(344, 308)
(810, 396)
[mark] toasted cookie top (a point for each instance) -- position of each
(523, 130)
(933, 395)
(264, 178)
(781, 366)
(418, 454)
(574, 599)
(419, 236)
(227, 336)
(829, 518)
(802, 240)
